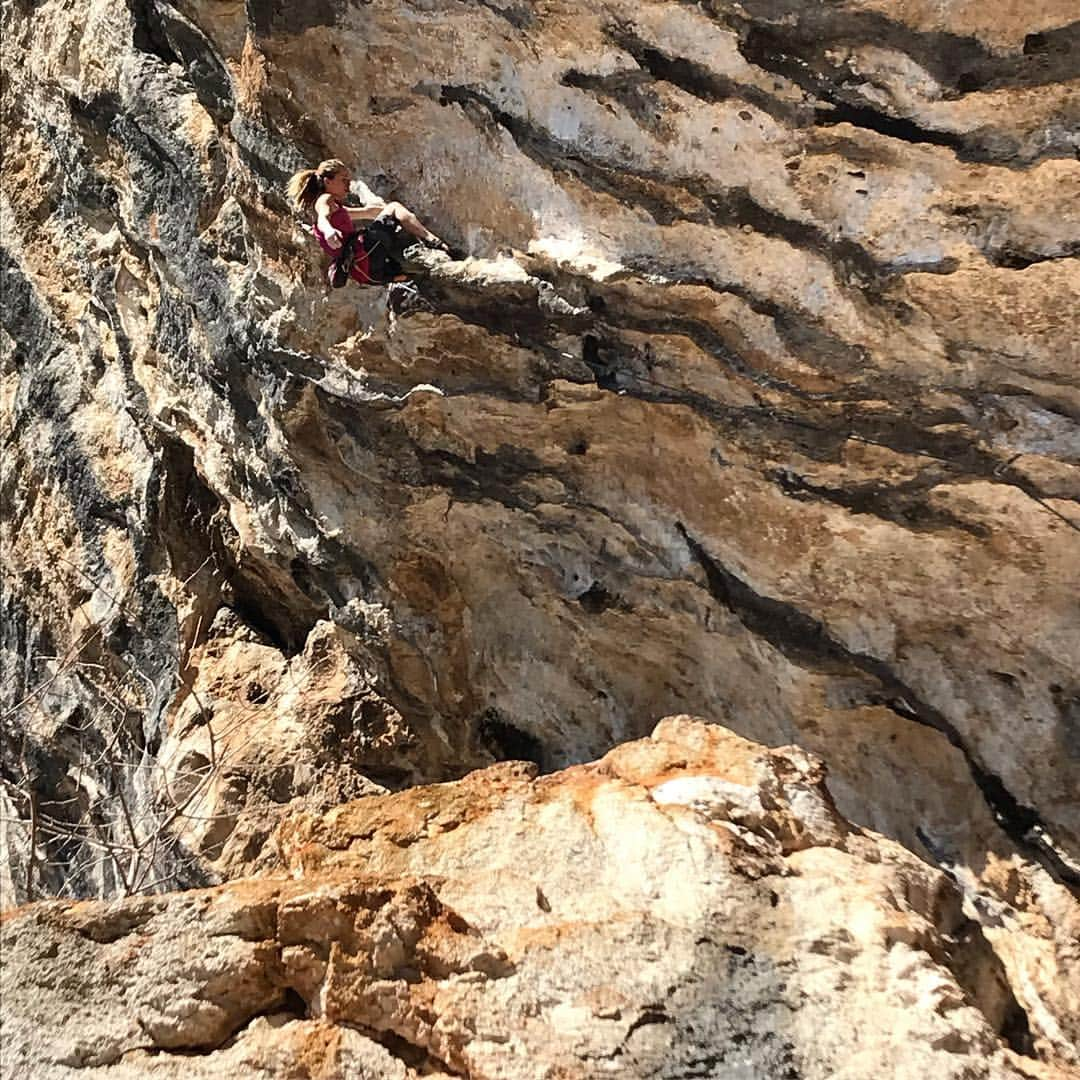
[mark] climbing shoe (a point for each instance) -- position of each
(435, 244)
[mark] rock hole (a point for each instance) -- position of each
(301, 574)
(281, 788)
(415, 1057)
(270, 629)
(506, 742)
(456, 922)
(392, 777)
(257, 694)
(651, 1014)
(596, 599)
(1009, 259)
(148, 36)
(276, 605)
(1016, 1031)
(590, 349)
(603, 370)
(294, 1004)
(981, 975)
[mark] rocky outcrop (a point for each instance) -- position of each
(690, 905)
(755, 399)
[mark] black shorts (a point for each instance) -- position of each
(385, 242)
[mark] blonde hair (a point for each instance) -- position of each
(307, 185)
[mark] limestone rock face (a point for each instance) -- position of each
(690, 905)
(755, 398)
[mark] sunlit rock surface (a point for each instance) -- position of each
(755, 399)
(690, 905)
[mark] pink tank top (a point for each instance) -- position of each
(343, 222)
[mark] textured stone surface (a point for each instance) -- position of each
(690, 905)
(756, 399)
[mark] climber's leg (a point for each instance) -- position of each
(411, 224)
(389, 231)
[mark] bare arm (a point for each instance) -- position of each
(325, 205)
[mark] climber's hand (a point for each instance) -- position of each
(334, 238)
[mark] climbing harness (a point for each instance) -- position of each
(382, 241)
(341, 266)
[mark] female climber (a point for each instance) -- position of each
(374, 255)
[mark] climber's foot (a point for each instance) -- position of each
(435, 244)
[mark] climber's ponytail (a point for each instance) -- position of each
(307, 185)
(303, 189)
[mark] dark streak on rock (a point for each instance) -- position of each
(711, 343)
(1011, 256)
(268, 17)
(161, 31)
(495, 477)
(821, 435)
(800, 332)
(660, 198)
(800, 48)
(904, 504)
(700, 82)
(808, 643)
(650, 1015)
(803, 51)
(801, 56)
(118, 649)
(736, 207)
(892, 127)
(519, 16)
(631, 89)
(550, 153)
